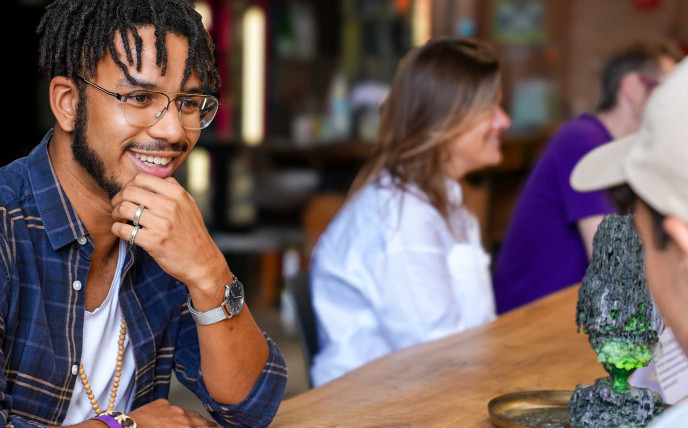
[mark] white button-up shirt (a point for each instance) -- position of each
(389, 272)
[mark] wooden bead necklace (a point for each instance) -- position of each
(118, 373)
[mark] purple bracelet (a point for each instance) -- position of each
(115, 419)
(109, 421)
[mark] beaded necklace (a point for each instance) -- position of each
(118, 373)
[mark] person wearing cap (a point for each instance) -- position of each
(652, 164)
(549, 242)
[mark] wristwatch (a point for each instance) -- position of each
(234, 302)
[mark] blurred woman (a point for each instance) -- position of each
(402, 262)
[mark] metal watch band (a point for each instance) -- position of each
(214, 315)
(208, 317)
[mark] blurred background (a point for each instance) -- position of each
(302, 84)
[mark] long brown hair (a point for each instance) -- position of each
(437, 92)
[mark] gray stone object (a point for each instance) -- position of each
(601, 406)
(623, 325)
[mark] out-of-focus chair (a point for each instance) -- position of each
(298, 287)
(317, 214)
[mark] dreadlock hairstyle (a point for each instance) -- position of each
(74, 35)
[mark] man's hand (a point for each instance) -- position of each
(173, 231)
(175, 236)
(161, 414)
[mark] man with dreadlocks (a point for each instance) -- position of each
(109, 279)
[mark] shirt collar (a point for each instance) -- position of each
(61, 222)
(454, 192)
(453, 188)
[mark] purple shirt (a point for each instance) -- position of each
(543, 251)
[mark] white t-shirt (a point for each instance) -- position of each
(99, 356)
(389, 273)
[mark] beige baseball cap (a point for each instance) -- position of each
(654, 160)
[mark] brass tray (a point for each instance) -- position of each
(531, 409)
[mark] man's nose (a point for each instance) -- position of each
(168, 127)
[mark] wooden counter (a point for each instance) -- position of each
(448, 382)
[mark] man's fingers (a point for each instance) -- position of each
(172, 180)
(125, 231)
(162, 186)
(136, 195)
(126, 211)
(197, 420)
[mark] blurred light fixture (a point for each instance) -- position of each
(198, 170)
(253, 77)
(206, 13)
(421, 21)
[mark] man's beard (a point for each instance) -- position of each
(87, 157)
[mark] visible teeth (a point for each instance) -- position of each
(155, 160)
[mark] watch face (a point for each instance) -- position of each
(235, 297)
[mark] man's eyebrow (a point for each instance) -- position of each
(124, 82)
(194, 90)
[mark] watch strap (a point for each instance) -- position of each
(115, 420)
(208, 317)
(108, 420)
(214, 315)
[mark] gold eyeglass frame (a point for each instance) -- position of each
(181, 95)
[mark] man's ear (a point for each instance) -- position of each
(632, 88)
(64, 97)
(677, 229)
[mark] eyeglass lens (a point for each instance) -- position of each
(144, 108)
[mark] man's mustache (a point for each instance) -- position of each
(157, 146)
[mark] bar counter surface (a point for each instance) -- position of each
(448, 382)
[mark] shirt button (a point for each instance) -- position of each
(75, 369)
(76, 285)
(81, 240)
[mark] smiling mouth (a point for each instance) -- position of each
(153, 160)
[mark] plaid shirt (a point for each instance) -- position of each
(44, 250)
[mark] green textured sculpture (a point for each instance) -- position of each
(623, 325)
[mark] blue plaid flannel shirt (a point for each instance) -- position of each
(44, 248)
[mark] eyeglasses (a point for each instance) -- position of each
(145, 108)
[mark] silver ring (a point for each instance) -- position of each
(139, 210)
(133, 234)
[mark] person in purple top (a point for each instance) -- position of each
(549, 241)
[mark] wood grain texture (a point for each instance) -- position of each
(448, 382)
